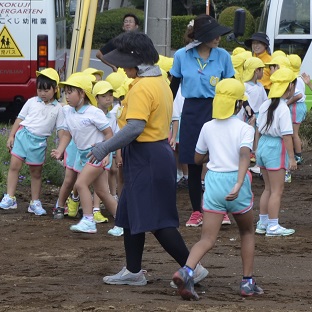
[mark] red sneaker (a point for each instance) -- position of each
(196, 219)
(226, 219)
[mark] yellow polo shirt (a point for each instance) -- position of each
(149, 99)
(265, 57)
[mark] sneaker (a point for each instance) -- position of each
(98, 217)
(252, 157)
(125, 277)
(250, 289)
(73, 205)
(261, 228)
(58, 213)
(84, 226)
(255, 169)
(278, 230)
(226, 219)
(116, 231)
(299, 160)
(199, 274)
(185, 284)
(183, 183)
(8, 202)
(196, 219)
(36, 208)
(288, 177)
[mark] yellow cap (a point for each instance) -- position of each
(82, 81)
(278, 53)
(165, 62)
(53, 75)
(280, 60)
(115, 79)
(238, 61)
(280, 81)
(101, 87)
(250, 66)
(295, 63)
(228, 91)
(93, 71)
(238, 50)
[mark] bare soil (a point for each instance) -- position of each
(45, 267)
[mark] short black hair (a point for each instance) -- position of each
(136, 20)
(45, 83)
(139, 45)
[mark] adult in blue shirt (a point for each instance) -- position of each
(198, 67)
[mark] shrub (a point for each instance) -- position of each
(305, 130)
(226, 18)
(178, 29)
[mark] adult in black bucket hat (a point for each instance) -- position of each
(259, 44)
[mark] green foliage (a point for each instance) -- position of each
(226, 18)
(109, 25)
(305, 130)
(178, 28)
(52, 173)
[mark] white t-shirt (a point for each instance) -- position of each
(41, 119)
(112, 118)
(281, 125)
(223, 140)
(86, 125)
(256, 95)
(177, 105)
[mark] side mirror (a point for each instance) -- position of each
(239, 22)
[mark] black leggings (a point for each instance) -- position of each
(169, 238)
(194, 185)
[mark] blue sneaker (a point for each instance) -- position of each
(250, 289)
(261, 228)
(185, 284)
(8, 202)
(36, 208)
(278, 230)
(299, 160)
(116, 231)
(84, 226)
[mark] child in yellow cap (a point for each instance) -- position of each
(103, 92)
(86, 125)
(275, 153)
(27, 141)
(227, 185)
(252, 73)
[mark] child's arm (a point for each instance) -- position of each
(118, 158)
(306, 78)
(64, 141)
(108, 133)
(13, 131)
(175, 127)
(294, 99)
(201, 158)
(290, 150)
(244, 162)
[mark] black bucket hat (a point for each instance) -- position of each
(206, 28)
(262, 37)
(123, 59)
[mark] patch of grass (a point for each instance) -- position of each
(52, 173)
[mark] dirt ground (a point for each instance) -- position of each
(45, 267)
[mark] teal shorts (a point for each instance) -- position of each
(218, 185)
(298, 112)
(81, 160)
(271, 153)
(29, 148)
(70, 155)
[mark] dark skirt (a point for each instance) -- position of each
(148, 199)
(194, 114)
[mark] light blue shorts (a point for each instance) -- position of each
(29, 147)
(81, 160)
(271, 153)
(218, 185)
(70, 155)
(298, 112)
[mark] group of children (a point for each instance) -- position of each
(88, 118)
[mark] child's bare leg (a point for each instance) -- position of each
(67, 186)
(15, 167)
(120, 181)
(112, 179)
(296, 139)
(96, 201)
(35, 174)
(265, 196)
(246, 229)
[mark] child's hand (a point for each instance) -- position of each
(252, 120)
(105, 161)
(10, 143)
(292, 164)
(306, 78)
(56, 154)
(234, 193)
(118, 160)
(172, 143)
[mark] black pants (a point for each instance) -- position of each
(194, 185)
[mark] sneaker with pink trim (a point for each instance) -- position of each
(226, 219)
(196, 219)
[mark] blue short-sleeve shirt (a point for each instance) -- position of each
(199, 77)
